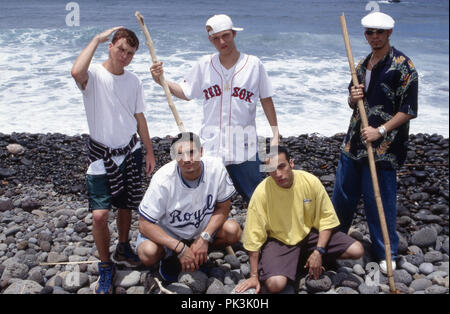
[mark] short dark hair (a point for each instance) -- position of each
(185, 137)
(270, 150)
(130, 36)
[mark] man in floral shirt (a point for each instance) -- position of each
(389, 88)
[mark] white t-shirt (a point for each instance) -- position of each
(229, 104)
(184, 212)
(111, 101)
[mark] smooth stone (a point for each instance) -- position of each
(346, 290)
(195, 280)
(15, 270)
(248, 291)
(73, 281)
(136, 290)
(359, 270)
(402, 276)
(435, 289)
(426, 268)
(215, 286)
(216, 255)
(24, 287)
(233, 261)
(127, 278)
(6, 204)
(180, 288)
(439, 273)
(410, 268)
(433, 256)
(420, 284)
(322, 284)
(424, 237)
(438, 280)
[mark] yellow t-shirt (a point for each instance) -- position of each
(287, 214)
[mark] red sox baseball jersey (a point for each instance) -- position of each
(229, 104)
(181, 211)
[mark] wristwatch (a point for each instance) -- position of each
(205, 236)
(321, 250)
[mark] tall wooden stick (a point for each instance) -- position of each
(373, 170)
(149, 43)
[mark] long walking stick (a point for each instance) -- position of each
(149, 43)
(373, 170)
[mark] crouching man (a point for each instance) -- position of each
(290, 214)
(185, 210)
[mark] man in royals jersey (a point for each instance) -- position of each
(230, 84)
(185, 210)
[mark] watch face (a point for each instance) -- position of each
(205, 236)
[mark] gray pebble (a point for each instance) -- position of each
(426, 268)
(434, 289)
(420, 284)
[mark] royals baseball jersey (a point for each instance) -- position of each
(229, 104)
(184, 212)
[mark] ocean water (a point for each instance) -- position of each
(300, 43)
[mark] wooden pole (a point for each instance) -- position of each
(149, 43)
(373, 170)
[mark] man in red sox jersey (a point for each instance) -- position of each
(230, 84)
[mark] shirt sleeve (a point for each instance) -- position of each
(154, 203)
(256, 225)
(265, 87)
(325, 217)
(192, 83)
(90, 84)
(409, 82)
(226, 187)
(139, 99)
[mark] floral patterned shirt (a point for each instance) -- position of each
(393, 88)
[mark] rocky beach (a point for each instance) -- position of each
(47, 247)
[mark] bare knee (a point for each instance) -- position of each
(149, 253)
(354, 251)
(276, 284)
(100, 217)
(232, 231)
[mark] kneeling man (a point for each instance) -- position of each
(185, 210)
(291, 213)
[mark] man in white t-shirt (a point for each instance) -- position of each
(113, 100)
(185, 210)
(230, 84)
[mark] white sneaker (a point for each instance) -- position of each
(383, 266)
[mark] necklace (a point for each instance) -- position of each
(227, 76)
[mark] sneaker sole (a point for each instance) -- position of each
(125, 263)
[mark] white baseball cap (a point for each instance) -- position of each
(378, 20)
(219, 23)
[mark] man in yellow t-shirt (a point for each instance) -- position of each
(290, 212)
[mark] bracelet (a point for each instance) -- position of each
(382, 131)
(253, 275)
(182, 251)
(175, 249)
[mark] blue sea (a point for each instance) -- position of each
(299, 42)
